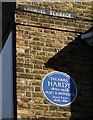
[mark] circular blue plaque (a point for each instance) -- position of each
(59, 88)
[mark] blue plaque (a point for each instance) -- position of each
(59, 88)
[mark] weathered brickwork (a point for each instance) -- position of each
(47, 43)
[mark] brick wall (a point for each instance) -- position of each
(47, 43)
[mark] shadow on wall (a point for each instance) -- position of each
(76, 60)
